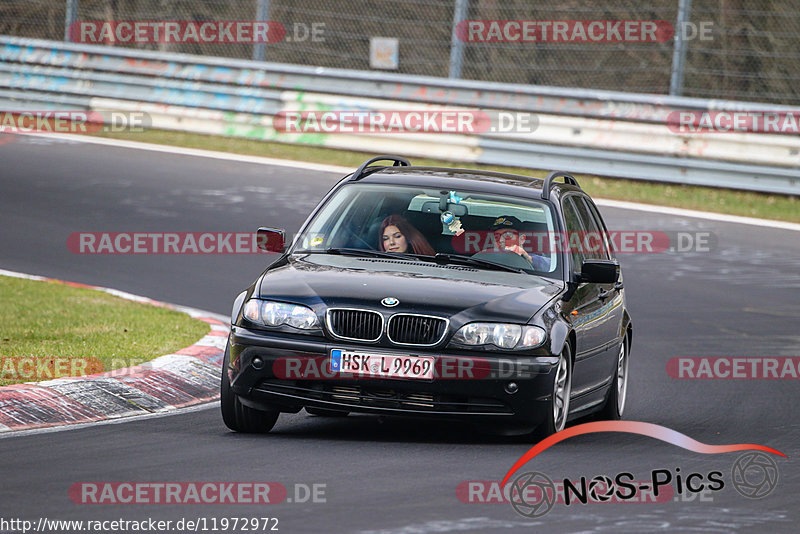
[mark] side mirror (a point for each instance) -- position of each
(599, 271)
(271, 239)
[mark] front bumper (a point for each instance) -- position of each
(479, 387)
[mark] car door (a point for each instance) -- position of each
(611, 309)
(593, 309)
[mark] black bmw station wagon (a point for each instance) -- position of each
(483, 297)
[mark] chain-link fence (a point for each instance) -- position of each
(737, 49)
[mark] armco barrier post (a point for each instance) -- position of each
(262, 14)
(456, 44)
(679, 51)
(71, 17)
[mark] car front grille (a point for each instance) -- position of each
(404, 328)
(410, 329)
(362, 325)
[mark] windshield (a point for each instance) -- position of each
(418, 224)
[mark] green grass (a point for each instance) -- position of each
(49, 330)
(749, 204)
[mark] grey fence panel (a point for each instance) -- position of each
(734, 49)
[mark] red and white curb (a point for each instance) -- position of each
(188, 377)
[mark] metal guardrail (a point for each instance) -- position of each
(596, 132)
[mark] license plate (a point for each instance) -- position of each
(381, 365)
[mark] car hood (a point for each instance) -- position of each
(323, 281)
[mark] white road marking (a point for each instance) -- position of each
(135, 145)
(680, 212)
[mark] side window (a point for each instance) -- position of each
(575, 229)
(594, 244)
(601, 224)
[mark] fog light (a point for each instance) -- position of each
(512, 388)
(257, 363)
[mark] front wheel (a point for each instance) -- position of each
(237, 416)
(615, 402)
(558, 411)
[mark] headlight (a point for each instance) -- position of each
(503, 335)
(273, 313)
(302, 317)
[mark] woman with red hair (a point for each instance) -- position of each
(398, 235)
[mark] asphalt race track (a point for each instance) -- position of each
(395, 476)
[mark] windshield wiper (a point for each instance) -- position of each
(369, 253)
(440, 258)
(462, 259)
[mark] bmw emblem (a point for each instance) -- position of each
(390, 302)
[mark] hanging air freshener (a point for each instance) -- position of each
(452, 222)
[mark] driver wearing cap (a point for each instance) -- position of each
(507, 236)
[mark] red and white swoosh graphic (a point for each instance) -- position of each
(633, 427)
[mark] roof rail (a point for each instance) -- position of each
(548, 182)
(398, 162)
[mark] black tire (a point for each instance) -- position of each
(237, 416)
(556, 420)
(323, 412)
(614, 407)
